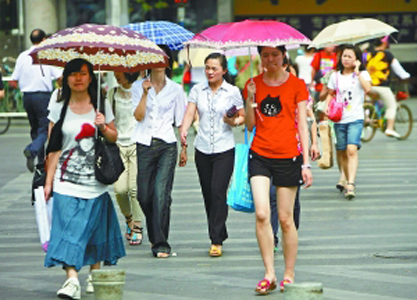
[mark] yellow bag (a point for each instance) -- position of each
(326, 144)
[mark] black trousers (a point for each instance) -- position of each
(215, 171)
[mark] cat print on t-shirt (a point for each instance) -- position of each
(77, 164)
(271, 106)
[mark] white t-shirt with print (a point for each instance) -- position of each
(74, 175)
(351, 93)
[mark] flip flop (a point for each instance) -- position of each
(265, 286)
(284, 282)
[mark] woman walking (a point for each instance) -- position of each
(85, 230)
(352, 82)
(125, 187)
(159, 103)
(214, 143)
(274, 100)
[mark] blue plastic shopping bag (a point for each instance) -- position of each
(239, 196)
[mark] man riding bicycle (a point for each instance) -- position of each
(379, 64)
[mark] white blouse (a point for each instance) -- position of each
(163, 110)
(214, 135)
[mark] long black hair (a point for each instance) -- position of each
(358, 54)
(223, 63)
(75, 65)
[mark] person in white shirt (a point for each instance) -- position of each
(214, 143)
(85, 230)
(159, 103)
(36, 84)
(120, 98)
(351, 82)
(303, 63)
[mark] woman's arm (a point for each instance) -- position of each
(140, 110)
(183, 154)
(366, 85)
(250, 103)
(186, 122)
(314, 149)
(52, 160)
(303, 134)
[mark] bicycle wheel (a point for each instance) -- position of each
(370, 123)
(5, 124)
(403, 121)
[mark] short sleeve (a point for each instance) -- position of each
(302, 94)
(366, 76)
(193, 96)
(54, 107)
(109, 111)
(180, 106)
(332, 82)
(137, 92)
(237, 98)
(315, 63)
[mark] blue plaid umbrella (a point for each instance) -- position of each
(163, 33)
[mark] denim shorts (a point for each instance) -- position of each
(348, 134)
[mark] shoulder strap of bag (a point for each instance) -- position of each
(113, 104)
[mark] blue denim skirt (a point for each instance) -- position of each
(84, 232)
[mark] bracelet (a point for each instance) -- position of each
(307, 166)
(105, 129)
(254, 105)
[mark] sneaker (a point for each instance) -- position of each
(29, 160)
(70, 290)
(89, 284)
(392, 133)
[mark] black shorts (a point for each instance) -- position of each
(284, 172)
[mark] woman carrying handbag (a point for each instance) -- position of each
(85, 229)
(350, 84)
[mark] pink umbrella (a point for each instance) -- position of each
(248, 33)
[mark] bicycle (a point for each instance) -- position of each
(375, 118)
(9, 105)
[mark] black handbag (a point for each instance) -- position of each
(39, 178)
(108, 164)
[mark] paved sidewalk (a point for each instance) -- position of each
(361, 249)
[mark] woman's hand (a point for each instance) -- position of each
(100, 120)
(231, 121)
(307, 177)
(146, 85)
(251, 87)
(47, 191)
(183, 137)
(314, 152)
(183, 157)
(357, 64)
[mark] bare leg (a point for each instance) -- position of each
(71, 272)
(352, 162)
(339, 158)
(260, 190)
(286, 198)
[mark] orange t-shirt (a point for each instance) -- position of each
(275, 117)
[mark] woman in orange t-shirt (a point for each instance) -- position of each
(272, 99)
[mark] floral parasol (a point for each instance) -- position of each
(107, 47)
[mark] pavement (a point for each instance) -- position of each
(360, 249)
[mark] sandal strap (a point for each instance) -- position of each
(351, 183)
(128, 219)
(137, 229)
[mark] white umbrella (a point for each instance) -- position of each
(351, 32)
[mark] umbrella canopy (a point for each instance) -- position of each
(163, 33)
(107, 47)
(351, 32)
(248, 33)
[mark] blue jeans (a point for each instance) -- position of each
(36, 106)
(348, 134)
(156, 168)
(274, 211)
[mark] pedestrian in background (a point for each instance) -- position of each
(214, 143)
(36, 84)
(273, 98)
(85, 230)
(120, 99)
(1, 86)
(159, 103)
(351, 82)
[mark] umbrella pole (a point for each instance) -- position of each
(250, 63)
